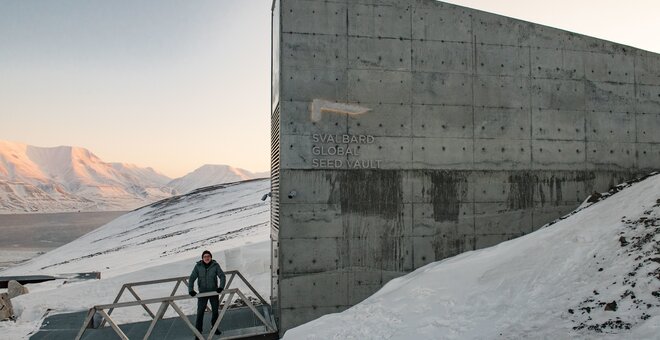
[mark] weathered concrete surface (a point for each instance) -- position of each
(484, 128)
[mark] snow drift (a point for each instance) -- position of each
(594, 274)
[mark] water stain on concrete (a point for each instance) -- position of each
(372, 193)
(521, 192)
(450, 244)
(372, 219)
(446, 191)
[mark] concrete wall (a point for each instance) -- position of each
(484, 128)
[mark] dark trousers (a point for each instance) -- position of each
(201, 307)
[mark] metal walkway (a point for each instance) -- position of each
(237, 323)
(240, 316)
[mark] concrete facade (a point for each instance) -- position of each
(481, 128)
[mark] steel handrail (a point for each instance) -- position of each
(129, 286)
(168, 301)
(179, 279)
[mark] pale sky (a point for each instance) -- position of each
(178, 84)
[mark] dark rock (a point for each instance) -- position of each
(623, 241)
(611, 306)
(570, 311)
(595, 197)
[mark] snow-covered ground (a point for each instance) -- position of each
(13, 257)
(162, 240)
(592, 275)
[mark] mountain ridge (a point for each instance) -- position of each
(211, 174)
(69, 178)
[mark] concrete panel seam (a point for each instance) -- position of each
(635, 104)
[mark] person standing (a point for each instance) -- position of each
(206, 272)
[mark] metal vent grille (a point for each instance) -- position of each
(275, 169)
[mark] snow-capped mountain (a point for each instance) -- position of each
(147, 176)
(66, 178)
(211, 174)
(592, 275)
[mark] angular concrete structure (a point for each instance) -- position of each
(480, 128)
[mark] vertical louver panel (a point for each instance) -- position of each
(275, 170)
(275, 209)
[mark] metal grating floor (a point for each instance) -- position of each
(238, 323)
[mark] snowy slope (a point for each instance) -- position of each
(211, 174)
(65, 178)
(153, 235)
(592, 275)
(161, 240)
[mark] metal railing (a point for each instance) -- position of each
(169, 301)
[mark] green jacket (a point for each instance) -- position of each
(207, 277)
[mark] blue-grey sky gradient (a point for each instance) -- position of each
(178, 84)
(168, 84)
